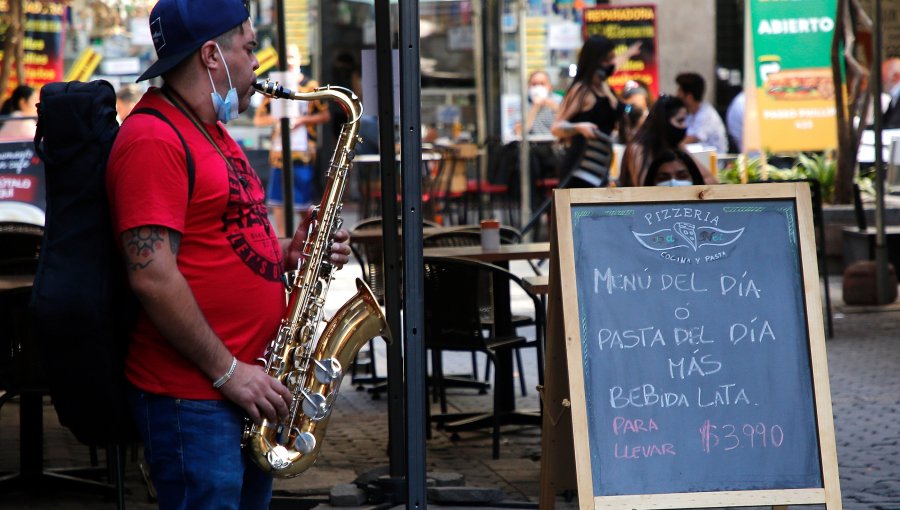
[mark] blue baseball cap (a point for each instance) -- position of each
(180, 27)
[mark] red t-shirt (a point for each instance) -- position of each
(229, 253)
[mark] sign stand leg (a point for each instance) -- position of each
(558, 446)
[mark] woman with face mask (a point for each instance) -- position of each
(663, 130)
(590, 108)
(543, 104)
(673, 169)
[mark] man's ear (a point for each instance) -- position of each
(209, 55)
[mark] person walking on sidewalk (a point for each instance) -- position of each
(204, 262)
(304, 135)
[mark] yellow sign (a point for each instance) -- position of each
(268, 58)
(796, 123)
(84, 66)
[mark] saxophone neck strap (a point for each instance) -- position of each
(175, 98)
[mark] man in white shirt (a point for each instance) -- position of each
(734, 119)
(704, 125)
(890, 77)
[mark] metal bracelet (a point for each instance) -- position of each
(224, 379)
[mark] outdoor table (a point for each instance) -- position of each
(374, 235)
(538, 284)
(501, 257)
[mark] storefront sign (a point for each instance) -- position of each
(43, 43)
(121, 66)
(794, 85)
(564, 35)
(21, 174)
(626, 25)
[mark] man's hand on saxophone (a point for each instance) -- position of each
(260, 395)
(339, 254)
(340, 249)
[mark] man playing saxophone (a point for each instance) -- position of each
(203, 260)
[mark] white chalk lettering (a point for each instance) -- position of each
(645, 395)
(724, 395)
(630, 338)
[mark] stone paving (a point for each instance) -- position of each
(864, 366)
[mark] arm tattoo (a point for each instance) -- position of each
(174, 241)
(141, 244)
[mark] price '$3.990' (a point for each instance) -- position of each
(727, 437)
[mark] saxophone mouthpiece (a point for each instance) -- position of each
(273, 89)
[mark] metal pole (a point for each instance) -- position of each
(881, 256)
(413, 270)
(392, 271)
(478, 54)
(525, 176)
(287, 161)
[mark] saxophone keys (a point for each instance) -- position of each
(328, 370)
(279, 457)
(305, 442)
(292, 379)
(297, 357)
(316, 406)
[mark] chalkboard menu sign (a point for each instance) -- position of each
(694, 363)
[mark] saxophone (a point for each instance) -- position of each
(312, 368)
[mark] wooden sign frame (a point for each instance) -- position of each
(565, 433)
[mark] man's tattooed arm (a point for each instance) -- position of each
(142, 244)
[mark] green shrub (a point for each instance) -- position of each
(819, 166)
(731, 174)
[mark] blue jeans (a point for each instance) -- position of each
(193, 449)
(305, 186)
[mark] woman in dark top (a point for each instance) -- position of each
(590, 108)
(663, 130)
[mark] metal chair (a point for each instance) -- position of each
(470, 235)
(370, 257)
(467, 309)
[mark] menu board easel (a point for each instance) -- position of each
(685, 357)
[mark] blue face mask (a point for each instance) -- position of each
(226, 109)
(675, 182)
